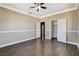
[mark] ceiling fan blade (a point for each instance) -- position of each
(41, 3)
(32, 7)
(35, 3)
(43, 7)
(37, 10)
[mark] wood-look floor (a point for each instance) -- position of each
(37, 47)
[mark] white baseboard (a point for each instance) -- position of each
(78, 46)
(72, 43)
(48, 38)
(1, 46)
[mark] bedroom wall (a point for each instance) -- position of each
(15, 27)
(72, 24)
(78, 27)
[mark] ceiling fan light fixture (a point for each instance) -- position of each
(38, 7)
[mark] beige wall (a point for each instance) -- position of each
(10, 20)
(72, 24)
(78, 27)
(15, 26)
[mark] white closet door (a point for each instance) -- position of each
(37, 29)
(61, 30)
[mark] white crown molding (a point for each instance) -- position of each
(17, 10)
(14, 9)
(67, 10)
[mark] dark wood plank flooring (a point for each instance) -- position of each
(37, 47)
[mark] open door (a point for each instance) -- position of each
(61, 30)
(42, 26)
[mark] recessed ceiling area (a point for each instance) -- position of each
(51, 8)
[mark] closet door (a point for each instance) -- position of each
(61, 30)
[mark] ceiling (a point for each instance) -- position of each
(51, 8)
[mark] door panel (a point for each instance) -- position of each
(37, 29)
(61, 30)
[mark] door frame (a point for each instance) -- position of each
(41, 32)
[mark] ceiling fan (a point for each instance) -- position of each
(38, 6)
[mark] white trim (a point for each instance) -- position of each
(67, 10)
(72, 31)
(17, 10)
(72, 43)
(78, 46)
(47, 38)
(14, 9)
(15, 42)
(16, 31)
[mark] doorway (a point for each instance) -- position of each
(58, 30)
(42, 31)
(54, 29)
